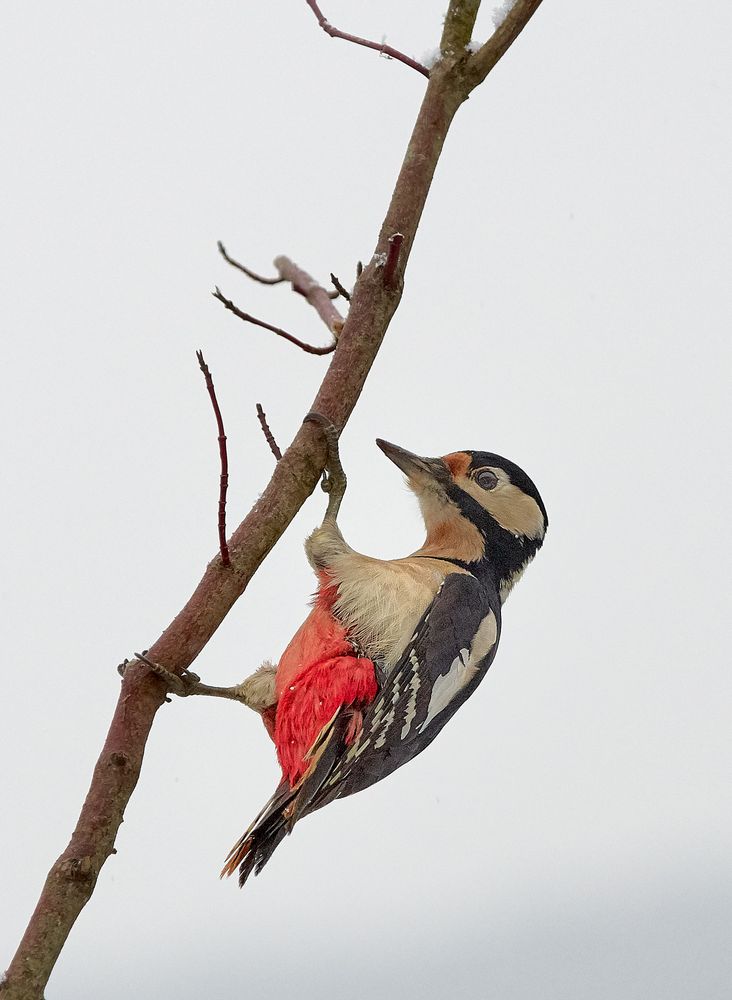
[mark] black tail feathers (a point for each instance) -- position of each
(289, 804)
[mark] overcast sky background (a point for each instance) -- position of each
(568, 302)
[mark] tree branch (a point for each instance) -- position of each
(72, 878)
(482, 62)
(384, 49)
(224, 480)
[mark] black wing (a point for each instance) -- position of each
(448, 656)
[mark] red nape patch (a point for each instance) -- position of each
(311, 701)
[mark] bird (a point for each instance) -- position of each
(391, 647)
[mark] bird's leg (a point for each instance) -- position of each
(334, 478)
(327, 542)
(257, 691)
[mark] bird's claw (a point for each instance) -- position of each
(183, 684)
(334, 478)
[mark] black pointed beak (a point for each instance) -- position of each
(414, 466)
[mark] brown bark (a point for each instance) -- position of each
(72, 878)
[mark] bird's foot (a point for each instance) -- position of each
(188, 683)
(334, 478)
(183, 684)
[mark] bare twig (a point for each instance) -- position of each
(309, 348)
(380, 47)
(339, 288)
(269, 436)
(392, 259)
(250, 274)
(224, 482)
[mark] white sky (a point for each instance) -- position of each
(567, 304)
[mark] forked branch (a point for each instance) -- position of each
(304, 284)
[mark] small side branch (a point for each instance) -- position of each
(245, 270)
(380, 47)
(248, 318)
(392, 260)
(269, 436)
(339, 288)
(224, 481)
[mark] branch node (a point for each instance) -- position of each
(76, 869)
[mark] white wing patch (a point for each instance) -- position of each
(462, 669)
(414, 686)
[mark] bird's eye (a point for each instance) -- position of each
(486, 479)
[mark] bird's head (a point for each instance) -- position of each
(478, 508)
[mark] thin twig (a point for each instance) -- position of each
(250, 274)
(392, 259)
(269, 436)
(309, 348)
(339, 288)
(224, 482)
(380, 47)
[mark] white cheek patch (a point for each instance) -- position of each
(510, 506)
(462, 669)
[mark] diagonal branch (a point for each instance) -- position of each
(248, 318)
(507, 31)
(380, 47)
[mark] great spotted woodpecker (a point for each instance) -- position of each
(392, 647)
